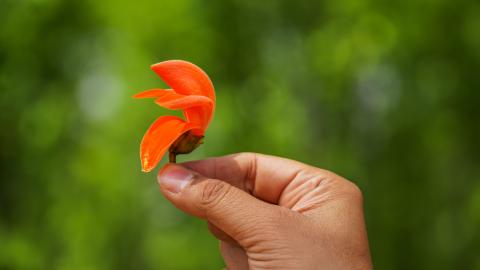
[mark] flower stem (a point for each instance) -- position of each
(172, 157)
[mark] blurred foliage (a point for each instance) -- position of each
(386, 93)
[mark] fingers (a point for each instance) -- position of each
(261, 175)
(230, 209)
(279, 181)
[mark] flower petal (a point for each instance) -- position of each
(185, 77)
(197, 109)
(200, 115)
(169, 99)
(153, 93)
(176, 101)
(158, 138)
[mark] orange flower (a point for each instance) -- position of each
(192, 91)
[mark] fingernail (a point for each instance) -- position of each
(174, 178)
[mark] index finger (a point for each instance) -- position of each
(263, 176)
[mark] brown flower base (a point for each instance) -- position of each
(183, 145)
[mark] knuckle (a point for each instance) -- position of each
(354, 191)
(247, 155)
(348, 187)
(213, 192)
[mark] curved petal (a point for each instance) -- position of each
(153, 93)
(201, 115)
(169, 99)
(185, 77)
(176, 101)
(158, 138)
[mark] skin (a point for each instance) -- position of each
(272, 213)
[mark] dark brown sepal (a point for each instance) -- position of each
(183, 145)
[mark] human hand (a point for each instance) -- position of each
(273, 213)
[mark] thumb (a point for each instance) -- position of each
(232, 210)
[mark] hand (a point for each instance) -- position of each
(273, 213)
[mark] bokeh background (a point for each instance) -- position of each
(385, 93)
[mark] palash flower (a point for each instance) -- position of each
(193, 92)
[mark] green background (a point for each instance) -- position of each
(385, 93)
